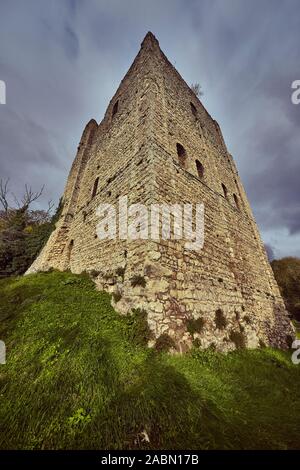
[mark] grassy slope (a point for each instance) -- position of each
(76, 378)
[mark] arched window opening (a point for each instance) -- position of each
(236, 200)
(225, 190)
(181, 154)
(200, 169)
(194, 109)
(95, 187)
(115, 108)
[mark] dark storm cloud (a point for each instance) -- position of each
(63, 60)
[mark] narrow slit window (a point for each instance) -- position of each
(200, 169)
(236, 200)
(70, 249)
(115, 108)
(181, 154)
(95, 187)
(225, 190)
(194, 109)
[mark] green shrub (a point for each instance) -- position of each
(287, 275)
(262, 344)
(238, 339)
(220, 319)
(23, 234)
(136, 327)
(196, 343)
(164, 343)
(195, 325)
(94, 273)
(117, 296)
(138, 280)
(120, 271)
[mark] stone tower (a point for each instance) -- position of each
(158, 144)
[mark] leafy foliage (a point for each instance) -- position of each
(238, 339)
(164, 343)
(23, 233)
(138, 280)
(287, 275)
(195, 325)
(136, 327)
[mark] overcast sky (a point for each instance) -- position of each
(62, 61)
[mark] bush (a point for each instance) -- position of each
(93, 273)
(287, 275)
(220, 319)
(197, 343)
(195, 325)
(117, 296)
(238, 339)
(23, 234)
(120, 272)
(164, 343)
(137, 329)
(138, 280)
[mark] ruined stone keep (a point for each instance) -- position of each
(158, 144)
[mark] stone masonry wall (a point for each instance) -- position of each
(228, 287)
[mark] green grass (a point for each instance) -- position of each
(297, 328)
(79, 376)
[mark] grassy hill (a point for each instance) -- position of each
(78, 375)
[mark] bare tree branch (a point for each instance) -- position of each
(23, 204)
(16, 201)
(3, 194)
(197, 89)
(50, 206)
(30, 196)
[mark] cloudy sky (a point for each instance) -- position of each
(62, 61)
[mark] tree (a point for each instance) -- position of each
(287, 275)
(196, 88)
(23, 232)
